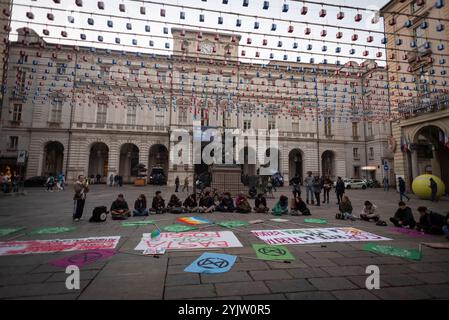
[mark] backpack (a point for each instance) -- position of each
(99, 214)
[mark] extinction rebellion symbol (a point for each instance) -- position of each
(273, 252)
(213, 263)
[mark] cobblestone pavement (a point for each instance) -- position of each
(336, 271)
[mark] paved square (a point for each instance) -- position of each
(332, 271)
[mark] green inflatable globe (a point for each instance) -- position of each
(421, 186)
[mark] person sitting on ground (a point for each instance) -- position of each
(140, 206)
(369, 212)
(281, 207)
(260, 204)
(174, 205)
(345, 208)
(158, 205)
(430, 222)
(403, 217)
(446, 226)
(190, 204)
(242, 204)
(226, 204)
(119, 209)
(298, 205)
(207, 204)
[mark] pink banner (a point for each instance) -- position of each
(57, 245)
(409, 232)
(83, 259)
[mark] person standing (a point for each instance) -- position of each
(327, 185)
(317, 189)
(308, 181)
(386, 184)
(111, 179)
(434, 189)
(296, 188)
(339, 189)
(177, 184)
(402, 189)
(61, 179)
(50, 183)
(81, 189)
(186, 184)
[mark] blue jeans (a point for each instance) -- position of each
(402, 194)
(140, 212)
(446, 230)
(309, 190)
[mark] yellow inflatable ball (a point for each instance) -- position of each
(421, 186)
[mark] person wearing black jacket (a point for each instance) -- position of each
(158, 205)
(446, 226)
(174, 205)
(402, 189)
(190, 204)
(339, 189)
(207, 203)
(260, 204)
(430, 222)
(226, 203)
(119, 209)
(403, 217)
(298, 205)
(140, 206)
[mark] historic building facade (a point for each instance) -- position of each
(89, 111)
(417, 51)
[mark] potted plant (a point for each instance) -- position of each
(141, 179)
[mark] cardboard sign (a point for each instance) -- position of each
(412, 254)
(194, 220)
(315, 235)
(84, 258)
(5, 232)
(267, 252)
(193, 240)
(315, 220)
(178, 228)
(137, 223)
(212, 263)
(52, 230)
(232, 223)
(57, 245)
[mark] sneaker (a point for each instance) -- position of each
(76, 220)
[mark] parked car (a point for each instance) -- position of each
(355, 184)
(157, 176)
(38, 181)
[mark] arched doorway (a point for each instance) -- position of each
(328, 164)
(430, 154)
(98, 160)
(53, 158)
(295, 164)
(158, 157)
(129, 159)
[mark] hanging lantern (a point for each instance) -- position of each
(323, 33)
(290, 29)
(307, 31)
(339, 35)
(340, 15)
(354, 37)
(322, 13)
(358, 17)
(369, 39)
(304, 10)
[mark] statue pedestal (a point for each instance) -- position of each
(227, 178)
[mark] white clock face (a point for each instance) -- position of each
(206, 47)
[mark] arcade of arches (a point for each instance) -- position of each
(53, 158)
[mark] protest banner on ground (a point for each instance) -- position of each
(232, 223)
(315, 235)
(57, 245)
(412, 254)
(5, 232)
(268, 252)
(192, 240)
(137, 223)
(315, 220)
(178, 228)
(194, 220)
(409, 232)
(212, 263)
(52, 230)
(82, 259)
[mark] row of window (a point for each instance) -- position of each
(356, 155)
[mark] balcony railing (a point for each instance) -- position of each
(120, 127)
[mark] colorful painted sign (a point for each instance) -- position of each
(57, 245)
(232, 223)
(5, 232)
(192, 240)
(178, 228)
(137, 223)
(315, 235)
(412, 254)
(315, 220)
(84, 258)
(268, 252)
(52, 230)
(409, 232)
(194, 220)
(212, 263)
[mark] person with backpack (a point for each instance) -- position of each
(402, 189)
(119, 209)
(226, 203)
(158, 204)
(369, 212)
(299, 206)
(430, 222)
(174, 205)
(140, 206)
(345, 208)
(339, 189)
(281, 207)
(81, 189)
(50, 183)
(260, 204)
(403, 217)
